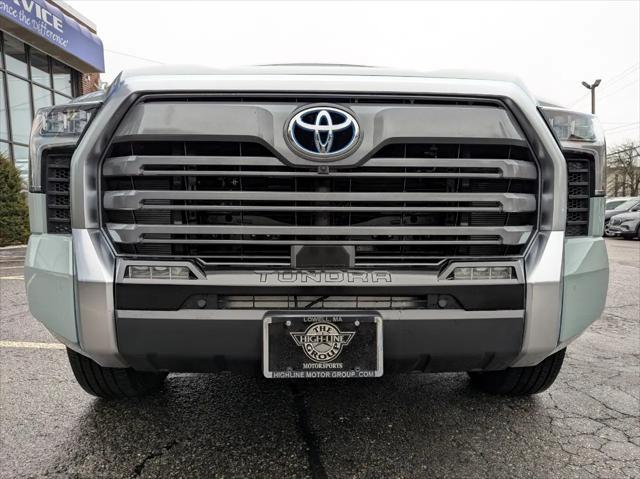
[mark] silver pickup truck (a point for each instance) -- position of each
(321, 221)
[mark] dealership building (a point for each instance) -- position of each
(49, 54)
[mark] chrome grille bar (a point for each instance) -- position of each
(133, 233)
(400, 241)
(354, 209)
(144, 166)
(134, 199)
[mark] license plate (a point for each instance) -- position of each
(322, 346)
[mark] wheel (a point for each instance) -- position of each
(520, 381)
(113, 383)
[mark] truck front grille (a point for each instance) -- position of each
(236, 204)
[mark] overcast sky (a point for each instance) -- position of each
(552, 46)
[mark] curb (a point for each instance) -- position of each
(9, 248)
(9, 252)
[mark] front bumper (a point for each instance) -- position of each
(497, 327)
(623, 229)
(203, 341)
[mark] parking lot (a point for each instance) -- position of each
(586, 425)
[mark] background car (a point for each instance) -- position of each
(626, 225)
(612, 203)
(632, 204)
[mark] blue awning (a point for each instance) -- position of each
(67, 36)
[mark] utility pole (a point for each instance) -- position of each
(592, 87)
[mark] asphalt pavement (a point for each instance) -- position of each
(414, 426)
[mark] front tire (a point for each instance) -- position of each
(520, 381)
(113, 383)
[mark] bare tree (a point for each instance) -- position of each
(623, 170)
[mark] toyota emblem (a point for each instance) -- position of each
(323, 132)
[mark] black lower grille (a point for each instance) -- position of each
(432, 301)
(56, 164)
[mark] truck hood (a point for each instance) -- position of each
(324, 69)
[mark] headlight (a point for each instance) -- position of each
(581, 132)
(68, 120)
(572, 125)
(56, 126)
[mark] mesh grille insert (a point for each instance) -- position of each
(579, 179)
(56, 164)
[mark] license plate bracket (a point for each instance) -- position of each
(327, 345)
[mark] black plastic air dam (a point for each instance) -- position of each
(201, 345)
(172, 297)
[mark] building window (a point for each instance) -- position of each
(19, 108)
(29, 80)
(40, 71)
(21, 159)
(41, 98)
(62, 78)
(15, 55)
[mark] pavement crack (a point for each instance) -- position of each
(313, 448)
(137, 471)
(621, 306)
